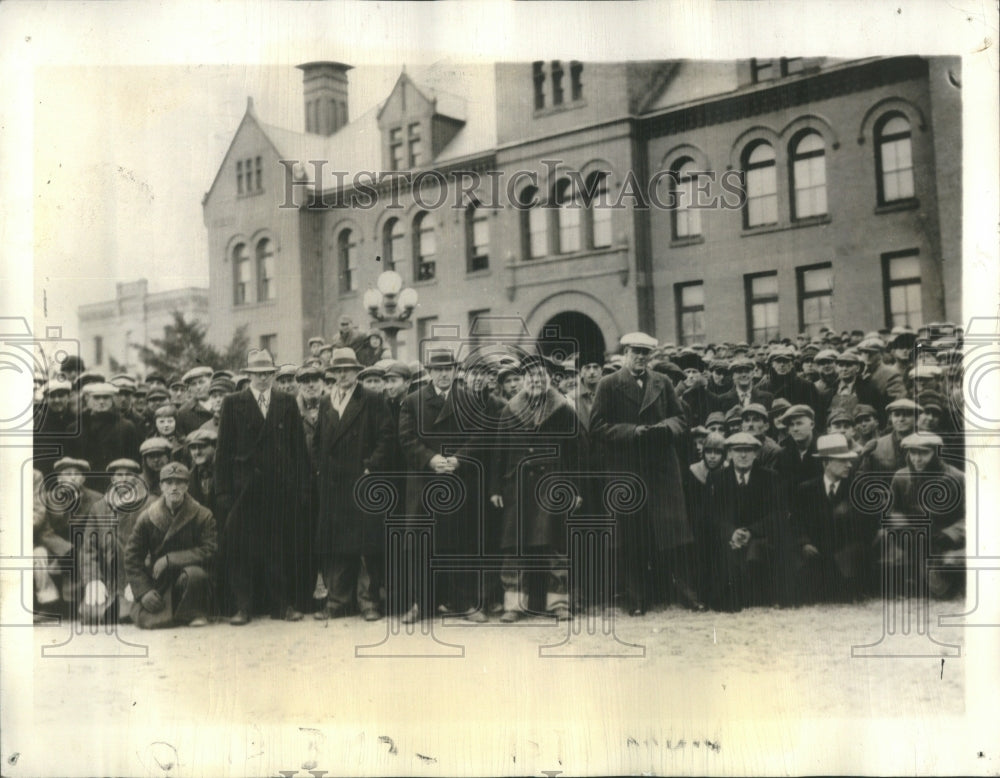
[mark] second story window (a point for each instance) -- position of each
(347, 259)
(265, 270)
(538, 77)
(416, 147)
(576, 79)
(241, 274)
(259, 173)
(239, 177)
(425, 247)
(477, 236)
(392, 243)
(534, 224)
(396, 148)
(808, 176)
(568, 216)
(761, 185)
(557, 82)
(894, 159)
(687, 218)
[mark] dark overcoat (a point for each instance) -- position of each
(104, 437)
(187, 539)
(541, 438)
(461, 426)
(347, 446)
(841, 534)
(619, 408)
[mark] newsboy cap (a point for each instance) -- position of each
(398, 368)
(798, 410)
(202, 371)
(154, 444)
(308, 372)
(202, 436)
(862, 410)
(165, 411)
(904, 404)
(174, 471)
(921, 440)
(125, 464)
(70, 462)
(638, 340)
(742, 440)
(757, 408)
(100, 389)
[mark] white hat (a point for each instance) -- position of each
(639, 340)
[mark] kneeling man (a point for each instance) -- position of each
(168, 556)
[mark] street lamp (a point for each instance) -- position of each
(390, 306)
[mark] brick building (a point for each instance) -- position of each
(602, 198)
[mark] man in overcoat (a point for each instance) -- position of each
(169, 556)
(446, 434)
(352, 441)
(262, 475)
(638, 423)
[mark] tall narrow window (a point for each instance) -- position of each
(416, 147)
(534, 224)
(808, 155)
(690, 301)
(258, 168)
(568, 214)
(556, 73)
(265, 270)
(761, 70)
(392, 244)
(599, 210)
(239, 177)
(241, 274)
(762, 306)
(576, 79)
(347, 259)
(424, 247)
(762, 186)
(686, 218)
(477, 236)
(538, 79)
(396, 148)
(894, 158)
(815, 298)
(901, 279)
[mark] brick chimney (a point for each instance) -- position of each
(324, 86)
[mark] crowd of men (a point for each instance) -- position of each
(221, 496)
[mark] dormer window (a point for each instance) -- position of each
(416, 147)
(249, 176)
(550, 79)
(396, 147)
(557, 79)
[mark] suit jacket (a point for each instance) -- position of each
(888, 383)
(619, 408)
(797, 391)
(191, 416)
(724, 402)
(262, 468)
(346, 446)
(759, 506)
(795, 469)
(832, 526)
(864, 394)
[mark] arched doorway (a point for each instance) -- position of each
(571, 332)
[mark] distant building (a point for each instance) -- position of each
(851, 215)
(109, 330)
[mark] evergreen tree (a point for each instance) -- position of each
(183, 346)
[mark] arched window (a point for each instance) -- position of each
(347, 260)
(686, 218)
(241, 274)
(568, 216)
(598, 209)
(477, 238)
(762, 185)
(392, 244)
(265, 270)
(424, 247)
(894, 158)
(534, 224)
(808, 155)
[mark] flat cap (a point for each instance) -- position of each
(850, 356)
(925, 372)
(827, 354)
(202, 435)
(736, 412)
(165, 411)
(157, 393)
(224, 385)
(398, 368)
(904, 404)
(308, 372)
(871, 344)
(371, 372)
(154, 444)
(286, 370)
(58, 386)
(719, 365)
(154, 376)
(839, 415)
(125, 383)
(798, 410)
(69, 462)
(174, 471)
(638, 340)
(197, 372)
(757, 408)
(315, 339)
(125, 464)
(100, 389)
(779, 406)
(176, 383)
(141, 390)
(223, 374)
(715, 417)
(921, 440)
(741, 363)
(860, 411)
(742, 440)
(689, 360)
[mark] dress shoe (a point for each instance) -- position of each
(239, 618)
(412, 616)
(562, 613)
(509, 617)
(476, 615)
(201, 621)
(371, 614)
(291, 614)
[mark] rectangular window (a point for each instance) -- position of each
(537, 219)
(396, 148)
(897, 169)
(809, 175)
(556, 71)
(762, 306)
(480, 259)
(569, 226)
(98, 350)
(690, 302)
(239, 177)
(242, 281)
(269, 342)
(575, 77)
(538, 77)
(259, 171)
(815, 297)
(416, 148)
(761, 70)
(901, 279)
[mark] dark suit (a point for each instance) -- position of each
(350, 542)
(751, 575)
(463, 427)
(724, 402)
(262, 476)
(842, 536)
(191, 416)
(658, 529)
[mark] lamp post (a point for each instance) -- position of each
(390, 306)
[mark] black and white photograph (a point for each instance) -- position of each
(499, 388)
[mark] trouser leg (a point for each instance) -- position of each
(557, 594)
(241, 581)
(371, 576)
(46, 590)
(515, 596)
(341, 578)
(192, 592)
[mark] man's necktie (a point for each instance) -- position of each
(832, 493)
(262, 401)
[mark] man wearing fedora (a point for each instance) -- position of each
(262, 476)
(832, 541)
(352, 441)
(445, 433)
(639, 425)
